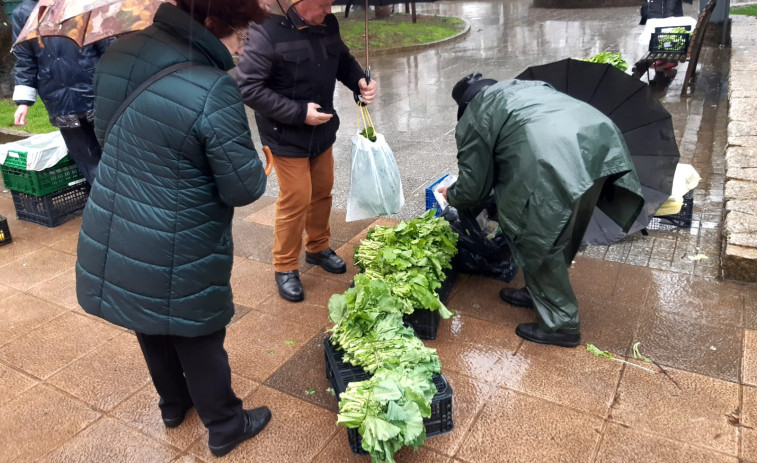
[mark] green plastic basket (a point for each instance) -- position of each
(38, 183)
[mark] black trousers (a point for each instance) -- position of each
(83, 148)
(195, 371)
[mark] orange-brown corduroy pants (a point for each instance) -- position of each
(304, 204)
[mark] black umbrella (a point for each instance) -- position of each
(646, 126)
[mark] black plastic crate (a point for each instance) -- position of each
(425, 322)
(5, 232)
(52, 209)
(680, 220)
(340, 374)
(669, 42)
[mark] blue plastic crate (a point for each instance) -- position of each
(431, 202)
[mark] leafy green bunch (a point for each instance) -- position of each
(614, 59)
(411, 257)
(369, 328)
(388, 410)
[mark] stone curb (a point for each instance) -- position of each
(409, 48)
(739, 255)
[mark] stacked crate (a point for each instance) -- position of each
(48, 197)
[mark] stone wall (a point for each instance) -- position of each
(740, 227)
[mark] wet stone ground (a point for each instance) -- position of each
(74, 388)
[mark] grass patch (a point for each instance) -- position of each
(749, 10)
(37, 121)
(397, 30)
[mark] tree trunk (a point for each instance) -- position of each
(383, 12)
(7, 60)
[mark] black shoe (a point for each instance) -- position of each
(533, 332)
(517, 297)
(254, 422)
(174, 420)
(327, 260)
(290, 286)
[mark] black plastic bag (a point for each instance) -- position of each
(477, 254)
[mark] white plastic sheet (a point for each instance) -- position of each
(375, 185)
(42, 151)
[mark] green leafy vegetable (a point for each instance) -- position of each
(614, 59)
(369, 133)
(310, 391)
(402, 267)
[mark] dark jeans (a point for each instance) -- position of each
(188, 371)
(83, 148)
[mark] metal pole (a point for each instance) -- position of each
(367, 65)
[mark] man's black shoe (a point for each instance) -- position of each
(173, 419)
(517, 297)
(533, 332)
(327, 260)
(290, 286)
(254, 422)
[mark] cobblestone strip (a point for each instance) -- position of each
(740, 250)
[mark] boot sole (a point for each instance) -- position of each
(291, 298)
(222, 450)
(544, 341)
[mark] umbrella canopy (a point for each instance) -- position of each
(88, 21)
(646, 126)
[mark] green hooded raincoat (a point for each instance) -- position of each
(543, 152)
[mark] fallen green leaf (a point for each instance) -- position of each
(310, 391)
(698, 257)
(330, 390)
(637, 354)
(597, 352)
(290, 343)
(270, 351)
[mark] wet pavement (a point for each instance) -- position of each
(74, 388)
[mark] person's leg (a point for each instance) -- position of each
(167, 377)
(83, 148)
(549, 285)
(208, 374)
(293, 176)
(552, 294)
(318, 232)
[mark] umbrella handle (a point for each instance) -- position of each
(268, 160)
(358, 97)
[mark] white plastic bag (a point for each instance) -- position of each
(685, 179)
(42, 151)
(375, 185)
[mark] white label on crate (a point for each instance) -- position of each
(13, 154)
(76, 182)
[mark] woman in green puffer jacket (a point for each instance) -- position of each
(155, 247)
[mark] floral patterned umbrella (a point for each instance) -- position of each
(88, 21)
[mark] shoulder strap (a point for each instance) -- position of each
(157, 76)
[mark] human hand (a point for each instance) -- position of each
(315, 117)
(367, 90)
(19, 118)
(443, 191)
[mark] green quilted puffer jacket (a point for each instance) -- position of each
(155, 248)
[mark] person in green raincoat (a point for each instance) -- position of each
(550, 160)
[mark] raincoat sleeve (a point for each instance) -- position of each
(236, 167)
(254, 69)
(475, 161)
(25, 90)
